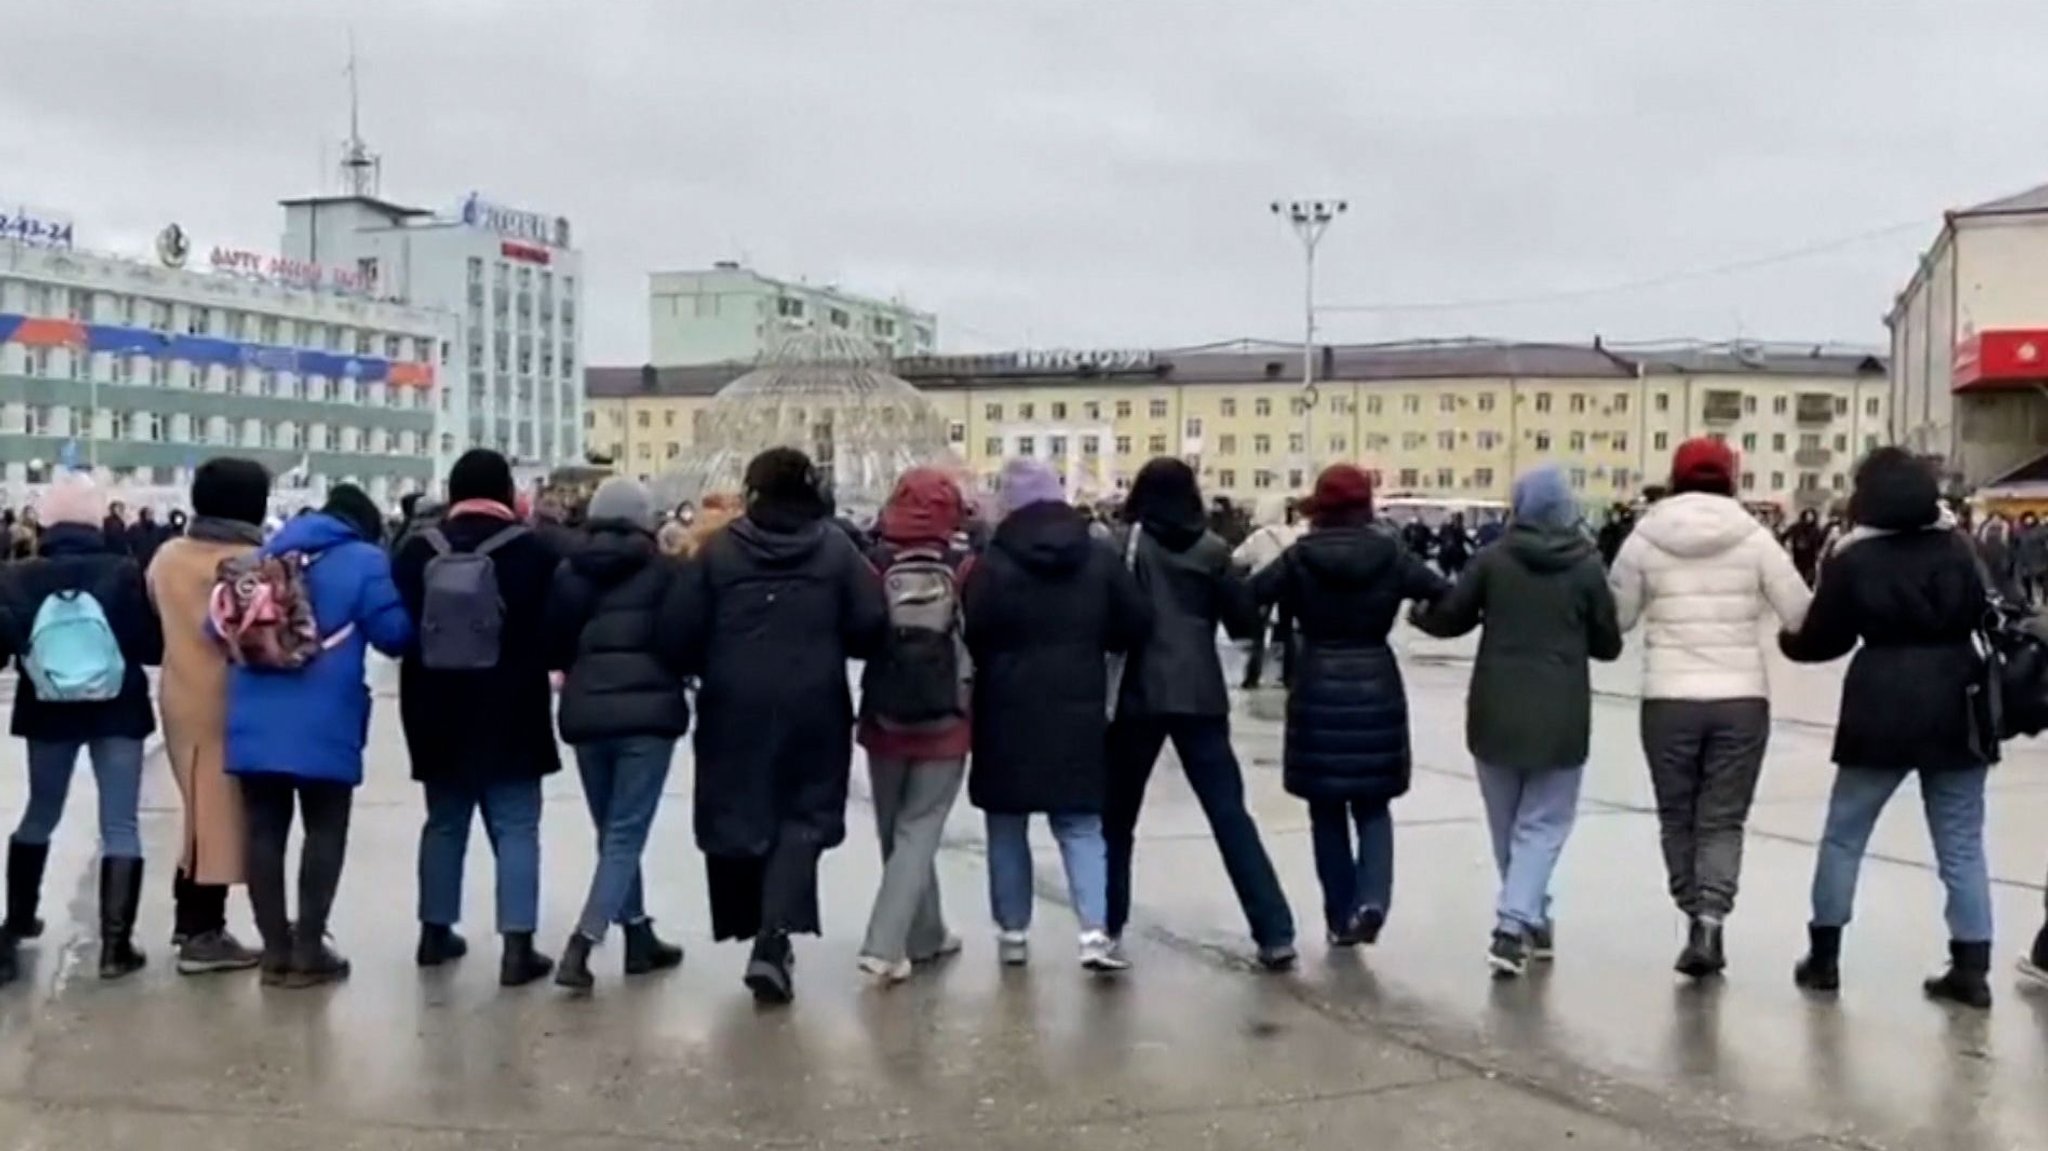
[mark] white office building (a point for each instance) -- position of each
(513, 379)
(729, 313)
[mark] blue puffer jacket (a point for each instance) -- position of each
(312, 723)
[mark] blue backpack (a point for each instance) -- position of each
(73, 656)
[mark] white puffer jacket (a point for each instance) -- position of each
(1701, 573)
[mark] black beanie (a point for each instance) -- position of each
(481, 474)
(352, 506)
(231, 488)
(786, 478)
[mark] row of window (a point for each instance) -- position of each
(159, 428)
(88, 305)
(502, 278)
(792, 308)
(1576, 403)
(149, 371)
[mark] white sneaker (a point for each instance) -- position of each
(1101, 953)
(1013, 948)
(885, 971)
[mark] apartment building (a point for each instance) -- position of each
(728, 312)
(1449, 420)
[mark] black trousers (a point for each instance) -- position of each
(197, 908)
(770, 896)
(323, 809)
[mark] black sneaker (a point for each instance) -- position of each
(1543, 943)
(1367, 923)
(1278, 956)
(1509, 955)
(2034, 964)
(313, 966)
(214, 951)
(768, 970)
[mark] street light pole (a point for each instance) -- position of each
(1310, 219)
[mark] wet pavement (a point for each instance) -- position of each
(1406, 1045)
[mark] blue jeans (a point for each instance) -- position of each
(1009, 868)
(1529, 814)
(116, 770)
(1206, 757)
(1352, 879)
(1954, 803)
(622, 781)
(512, 820)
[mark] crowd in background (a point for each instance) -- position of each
(1035, 654)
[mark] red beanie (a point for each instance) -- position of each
(1703, 463)
(1343, 494)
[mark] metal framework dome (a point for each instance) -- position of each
(830, 394)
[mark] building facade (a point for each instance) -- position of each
(140, 370)
(1450, 421)
(514, 284)
(728, 313)
(1969, 337)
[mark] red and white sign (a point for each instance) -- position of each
(2000, 358)
(525, 253)
(288, 272)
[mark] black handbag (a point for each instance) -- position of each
(2009, 697)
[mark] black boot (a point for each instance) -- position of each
(574, 970)
(439, 944)
(521, 964)
(1967, 979)
(1821, 970)
(768, 969)
(24, 888)
(314, 961)
(120, 895)
(1703, 954)
(646, 951)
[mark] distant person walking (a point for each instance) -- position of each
(1541, 596)
(1701, 574)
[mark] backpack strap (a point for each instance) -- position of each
(437, 541)
(500, 538)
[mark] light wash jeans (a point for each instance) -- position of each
(1082, 850)
(511, 812)
(1529, 815)
(116, 770)
(1356, 877)
(1954, 804)
(622, 782)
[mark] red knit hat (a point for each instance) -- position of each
(1703, 462)
(1343, 491)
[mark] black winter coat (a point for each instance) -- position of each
(625, 678)
(1044, 605)
(78, 557)
(768, 614)
(491, 726)
(1347, 713)
(1187, 577)
(1542, 596)
(1914, 599)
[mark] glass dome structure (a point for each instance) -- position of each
(830, 394)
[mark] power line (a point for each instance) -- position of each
(1626, 286)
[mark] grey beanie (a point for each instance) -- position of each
(623, 498)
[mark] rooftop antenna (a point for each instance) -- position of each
(361, 169)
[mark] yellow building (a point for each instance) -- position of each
(1452, 421)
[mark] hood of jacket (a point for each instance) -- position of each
(1347, 556)
(1047, 538)
(74, 540)
(312, 533)
(1270, 511)
(1695, 525)
(925, 509)
(1895, 492)
(778, 544)
(1546, 547)
(613, 551)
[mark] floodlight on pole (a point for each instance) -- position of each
(1310, 219)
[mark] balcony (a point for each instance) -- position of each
(1721, 407)
(1814, 408)
(1812, 458)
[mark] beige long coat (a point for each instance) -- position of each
(193, 698)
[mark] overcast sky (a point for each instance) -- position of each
(1089, 173)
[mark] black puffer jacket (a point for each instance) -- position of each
(1347, 715)
(625, 678)
(79, 557)
(1043, 606)
(770, 611)
(1909, 589)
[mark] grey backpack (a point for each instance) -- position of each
(462, 616)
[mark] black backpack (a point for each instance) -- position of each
(922, 678)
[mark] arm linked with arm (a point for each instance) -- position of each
(1459, 611)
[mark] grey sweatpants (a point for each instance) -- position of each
(912, 799)
(1705, 756)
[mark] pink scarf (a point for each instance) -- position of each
(491, 508)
